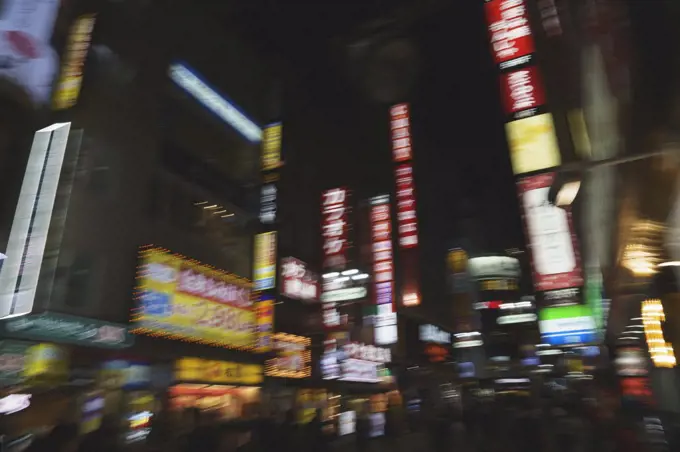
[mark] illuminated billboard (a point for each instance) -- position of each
(334, 224)
(264, 273)
(21, 267)
(180, 298)
(509, 30)
(293, 357)
(557, 273)
(67, 89)
(271, 146)
(27, 56)
(533, 144)
(401, 133)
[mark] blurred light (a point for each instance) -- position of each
(342, 279)
(549, 352)
(411, 299)
(361, 276)
(670, 264)
(471, 334)
(190, 82)
(330, 275)
(353, 271)
(567, 193)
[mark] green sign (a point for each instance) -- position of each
(68, 329)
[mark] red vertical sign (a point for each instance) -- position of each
(407, 220)
(334, 227)
(401, 133)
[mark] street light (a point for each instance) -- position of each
(567, 183)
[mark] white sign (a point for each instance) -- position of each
(268, 207)
(386, 335)
(14, 403)
(26, 56)
(298, 282)
(384, 316)
(430, 333)
(347, 423)
(368, 352)
(32, 217)
(494, 267)
(351, 293)
(516, 318)
(548, 227)
(359, 370)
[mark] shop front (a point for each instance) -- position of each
(358, 383)
(226, 391)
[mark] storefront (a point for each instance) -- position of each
(227, 391)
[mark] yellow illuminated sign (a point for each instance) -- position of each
(217, 372)
(264, 273)
(67, 89)
(533, 144)
(271, 147)
(661, 352)
(46, 361)
(498, 284)
(182, 299)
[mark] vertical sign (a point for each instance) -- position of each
(407, 221)
(264, 313)
(557, 274)
(68, 87)
(529, 126)
(401, 133)
(334, 207)
(264, 275)
(271, 147)
(383, 264)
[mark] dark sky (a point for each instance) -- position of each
(334, 135)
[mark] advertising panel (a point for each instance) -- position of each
(557, 271)
(264, 273)
(522, 89)
(21, 268)
(264, 315)
(269, 201)
(334, 224)
(69, 329)
(383, 263)
(67, 89)
(298, 282)
(180, 298)
(401, 133)
(27, 57)
(406, 207)
(293, 357)
(271, 146)
(567, 325)
(217, 372)
(533, 144)
(508, 25)
(355, 362)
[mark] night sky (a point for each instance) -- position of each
(334, 135)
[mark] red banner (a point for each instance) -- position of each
(401, 133)
(508, 25)
(522, 89)
(406, 207)
(334, 227)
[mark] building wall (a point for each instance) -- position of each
(125, 194)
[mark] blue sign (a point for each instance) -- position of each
(570, 337)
